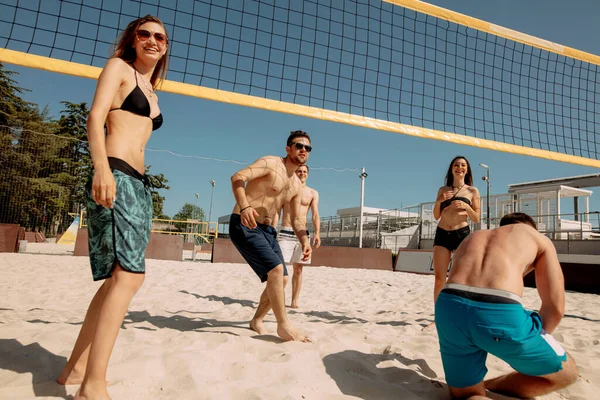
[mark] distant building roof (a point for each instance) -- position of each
(580, 181)
(224, 219)
(354, 211)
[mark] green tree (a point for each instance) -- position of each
(188, 211)
(74, 157)
(159, 182)
(27, 196)
(11, 103)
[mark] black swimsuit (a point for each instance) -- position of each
(137, 103)
(446, 203)
(451, 239)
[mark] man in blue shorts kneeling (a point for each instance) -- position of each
(480, 311)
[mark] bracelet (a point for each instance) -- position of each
(244, 209)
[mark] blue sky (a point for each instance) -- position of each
(402, 170)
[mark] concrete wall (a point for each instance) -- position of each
(342, 257)
(165, 247)
(9, 238)
(352, 257)
(223, 251)
(35, 237)
(81, 243)
(206, 248)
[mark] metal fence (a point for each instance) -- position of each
(414, 227)
(410, 227)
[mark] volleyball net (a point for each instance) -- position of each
(399, 65)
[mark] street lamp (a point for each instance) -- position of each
(196, 209)
(363, 175)
(487, 179)
(212, 183)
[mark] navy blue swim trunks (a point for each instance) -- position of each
(258, 246)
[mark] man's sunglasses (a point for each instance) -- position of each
(301, 146)
(144, 35)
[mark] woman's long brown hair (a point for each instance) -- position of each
(450, 176)
(124, 48)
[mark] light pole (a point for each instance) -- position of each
(487, 179)
(196, 209)
(212, 183)
(362, 176)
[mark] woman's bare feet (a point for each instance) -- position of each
(257, 326)
(288, 334)
(89, 392)
(294, 305)
(70, 376)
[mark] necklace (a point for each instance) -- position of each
(148, 87)
(458, 188)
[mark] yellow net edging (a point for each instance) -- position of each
(86, 71)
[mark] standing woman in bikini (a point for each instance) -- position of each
(456, 203)
(119, 205)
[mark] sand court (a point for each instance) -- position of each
(186, 334)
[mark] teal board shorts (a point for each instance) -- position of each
(472, 322)
(120, 235)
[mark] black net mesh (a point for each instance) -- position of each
(367, 58)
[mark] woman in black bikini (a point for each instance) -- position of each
(456, 202)
(119, 207)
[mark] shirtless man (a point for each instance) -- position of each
(290, 247)
(260, 191)
(479, 311)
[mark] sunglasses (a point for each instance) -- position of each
(301, 146)
(144, 35)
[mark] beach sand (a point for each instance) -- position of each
(186, 334)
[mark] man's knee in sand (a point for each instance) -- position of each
(566, 376)
(522, 385)
(472, 392)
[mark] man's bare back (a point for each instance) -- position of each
(498, 258)
(267, 194)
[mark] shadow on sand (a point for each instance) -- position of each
(33, 359)
(361, 375)
(224, 300)
(181, 322)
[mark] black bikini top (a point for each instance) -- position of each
(137, 103)
(446, 203)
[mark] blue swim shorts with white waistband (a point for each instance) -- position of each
(469, 329)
